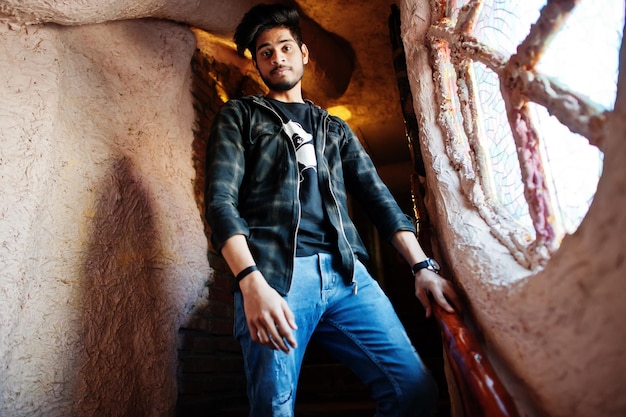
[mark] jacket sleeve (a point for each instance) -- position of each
(366, 186)
(224, 173)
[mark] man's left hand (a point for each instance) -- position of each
(427, 283)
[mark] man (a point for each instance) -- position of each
(278, 169)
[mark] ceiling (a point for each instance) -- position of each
(371, 95)
(351, 57)
(351, 72)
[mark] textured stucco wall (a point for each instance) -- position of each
(102, 252)
(102, 249)
(557, 337)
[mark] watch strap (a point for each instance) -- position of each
(429, 263)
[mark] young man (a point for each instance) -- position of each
(278, 169)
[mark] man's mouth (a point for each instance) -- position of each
(280, 70)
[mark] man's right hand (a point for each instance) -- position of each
(270, 320)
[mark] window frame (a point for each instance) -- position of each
(453, 49)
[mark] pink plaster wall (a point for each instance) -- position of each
(102, 247)
(557, 337)
(102, 252)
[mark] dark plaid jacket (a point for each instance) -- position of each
(252, 187)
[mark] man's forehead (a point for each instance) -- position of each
(275, 36)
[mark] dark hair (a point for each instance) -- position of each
(261, 18)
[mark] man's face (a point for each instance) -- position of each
(279, 59)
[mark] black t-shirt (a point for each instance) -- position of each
(314, 232)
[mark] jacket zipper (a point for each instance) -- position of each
(299, 214)
(355, 285)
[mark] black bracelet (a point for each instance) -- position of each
(246, 272)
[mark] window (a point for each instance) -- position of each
(524, 87)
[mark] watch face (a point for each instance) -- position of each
(433, 265)
(429, 263)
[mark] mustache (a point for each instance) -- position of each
(280, 67)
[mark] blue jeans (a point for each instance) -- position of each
(362, 330)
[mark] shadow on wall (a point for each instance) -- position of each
(214, 82)
(210, 373)
(128, 344)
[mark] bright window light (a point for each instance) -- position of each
(582, 56)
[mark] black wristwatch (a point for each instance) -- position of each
(429, 263)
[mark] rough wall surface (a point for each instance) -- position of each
(80, 12)
(102, 247)
(557, 336)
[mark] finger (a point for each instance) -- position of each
(254, 333)
(277, 339)
(289, 316)
(272, 344)
(283, 333)
(264, 337)
(261, 337)
(441, 300)
(286, 325)
(423, 297)
(451, 295)
(290, 338)
(260, 333)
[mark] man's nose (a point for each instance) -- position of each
(278, 58)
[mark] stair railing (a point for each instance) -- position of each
(481, 392)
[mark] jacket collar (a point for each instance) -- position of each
(262, 100)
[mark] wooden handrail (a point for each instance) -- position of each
(481, 391)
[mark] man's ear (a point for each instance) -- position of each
(305, 54)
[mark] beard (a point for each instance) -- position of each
(280, 86)
(284, 85)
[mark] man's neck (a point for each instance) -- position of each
(292, 96)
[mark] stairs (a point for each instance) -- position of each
(211, 380)
(328, 388)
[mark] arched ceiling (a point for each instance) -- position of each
(372, 96)
(350, 47)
